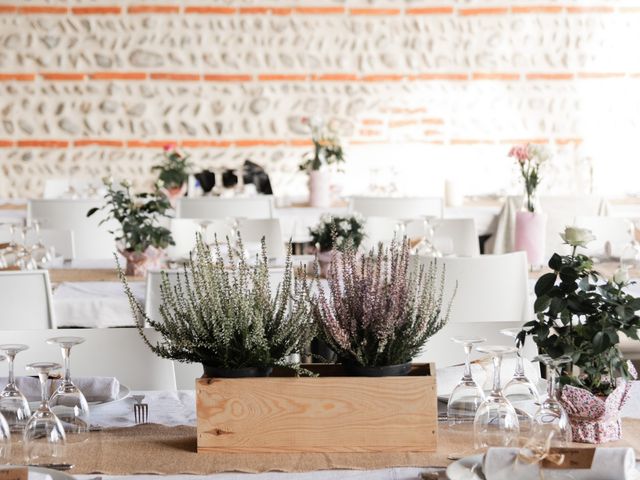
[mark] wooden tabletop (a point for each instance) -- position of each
(60, 275)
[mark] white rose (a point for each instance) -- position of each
(577, 237)
(621, 276)
(339, 241)
(344, 225)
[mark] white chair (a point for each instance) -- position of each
(461, 233)
(400, 207)
(614, 231)
(91, 241)
(379, 230)
(61, 240)
(260, 206)
(253, 230)
(490, 288)
(25, 299)
(106, 352)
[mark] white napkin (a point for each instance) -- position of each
(608, 464)
(95, 389)
(33, 475)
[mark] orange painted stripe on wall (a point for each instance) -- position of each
(6, 143)
(483, 11)
(517, 141)
(178, 77)
(86, 142)
(63, 76)
(335, 77)
(496, 76)
(261, 142)
(205, 143)
(375, 11)
(8, 9)
(591, 9)
(549, 76)
(537, 9)
(320, 10)
(118, 76)
(566, 141)
(99, 10)
(149, 143)
(41, 9)
(383, 78)
(254, 10)
(276, 77)
(227, 78)
(43, 143)
(134, 9)
(281, 11)
(429, 11)
(20, 77)
(470, 141)
(210, 10)
(440, 76)
(590, 75)
(300, 142)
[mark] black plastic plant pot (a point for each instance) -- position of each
(247, 372)
(355, 370)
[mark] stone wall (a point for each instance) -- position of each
(422, 90)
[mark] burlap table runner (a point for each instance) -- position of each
(157, 449)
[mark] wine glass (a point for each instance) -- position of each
(43, 437)
(14, 406)
(467, 396)
(496, 421)
(68, 402)
(551, 422)
(520, 391)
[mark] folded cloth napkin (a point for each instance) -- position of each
(95, 389)
(608, 464)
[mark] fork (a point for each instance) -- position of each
(140, 410)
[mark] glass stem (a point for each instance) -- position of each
(497, 364)
(12, 378)
(551, 388)
(519, 365)
(43, 376)
(66, 351)
(467, 362)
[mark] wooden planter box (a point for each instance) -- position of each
(329, 413)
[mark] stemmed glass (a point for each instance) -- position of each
(551, 422)
(496, 422)
(630, 256)
(467, 396)
(520, 391)
(68, 402)
(14, 406)
(43, 438)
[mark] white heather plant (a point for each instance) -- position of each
(380, 312)
(225, 315)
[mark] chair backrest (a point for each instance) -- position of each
(616, 231)
(25, 300)
(252, 230)
(490, 288)
(461, 233)
(260, 206)
(92, 241)
(401, 207)
(108, 352)
(61, 240)
(379, 229)
(562, 211)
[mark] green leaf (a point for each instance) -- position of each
(555, 262)
(545, 283)
(92, 211)
(541, 303)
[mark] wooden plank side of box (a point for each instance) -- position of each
(318, 414)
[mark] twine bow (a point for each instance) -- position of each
(535, 454)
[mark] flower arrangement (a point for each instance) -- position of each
(378, 311)
(530, 158)
(225, 315)
(174, 170)
(339, 232)
(582, 315)
(327, 149)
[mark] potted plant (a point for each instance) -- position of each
(530, 221)
(581, 314)
(174, 172)
(140, 238)
(327, 151)
(223, 314)
(378, 312)
(335, 234)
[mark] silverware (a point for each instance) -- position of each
(54, 466)
(140, 410)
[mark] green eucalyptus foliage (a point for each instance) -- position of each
(138, 216)
(174, 170)
(581, 315)
(224, 314)
(339, 232)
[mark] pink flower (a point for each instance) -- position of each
(520, 152)
(169, 147)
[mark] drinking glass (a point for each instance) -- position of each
(467, 396)
(520, 391)
(14, 406)
(43, 438)
(496, 422)
(68, 402)
(551, 422)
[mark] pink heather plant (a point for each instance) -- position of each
(378, 311)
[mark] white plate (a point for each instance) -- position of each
(55, 474)
(466, 468)
(470, 468)
(122, 394)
